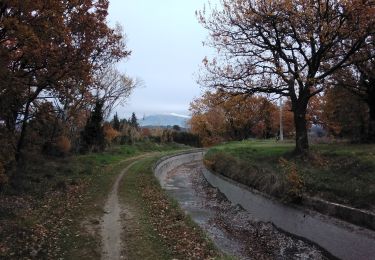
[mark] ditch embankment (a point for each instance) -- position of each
(178, 175)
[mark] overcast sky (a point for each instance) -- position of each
(166, 42)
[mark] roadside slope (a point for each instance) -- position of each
(340, 173)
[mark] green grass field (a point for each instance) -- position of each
(343, 173)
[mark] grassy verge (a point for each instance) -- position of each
(158, 229)
(56, 213)
(342, 173)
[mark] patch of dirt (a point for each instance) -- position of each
(91, 227)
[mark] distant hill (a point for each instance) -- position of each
(164, 120)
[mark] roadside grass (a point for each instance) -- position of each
(56, 210)
(342, 173)
(118, 153)
(158, 228)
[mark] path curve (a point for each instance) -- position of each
(111, 226)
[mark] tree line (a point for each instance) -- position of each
(221, 116)
(128, 132)
(296, 49)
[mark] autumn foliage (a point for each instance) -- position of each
(56, 62)
(219, 116)
(109, 133)
(63, 144)
(344, 114)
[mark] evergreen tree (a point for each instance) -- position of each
(116, 122)
(92, 135)
(134, 121)
(176, 128)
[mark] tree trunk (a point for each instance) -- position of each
(300, 123)
(21, 140)
(371, 123)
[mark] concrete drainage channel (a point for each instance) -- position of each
(339, 238)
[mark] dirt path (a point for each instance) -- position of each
(111, 226)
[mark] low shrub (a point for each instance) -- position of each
(63, 145)
(294, 181)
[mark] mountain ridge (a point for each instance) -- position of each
(164, 120)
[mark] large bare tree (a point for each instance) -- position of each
(284, 47)
(113, 88)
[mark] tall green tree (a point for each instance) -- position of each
(116, 122)
(93, 135)
(133, 121)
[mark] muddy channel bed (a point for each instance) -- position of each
(232, 229)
